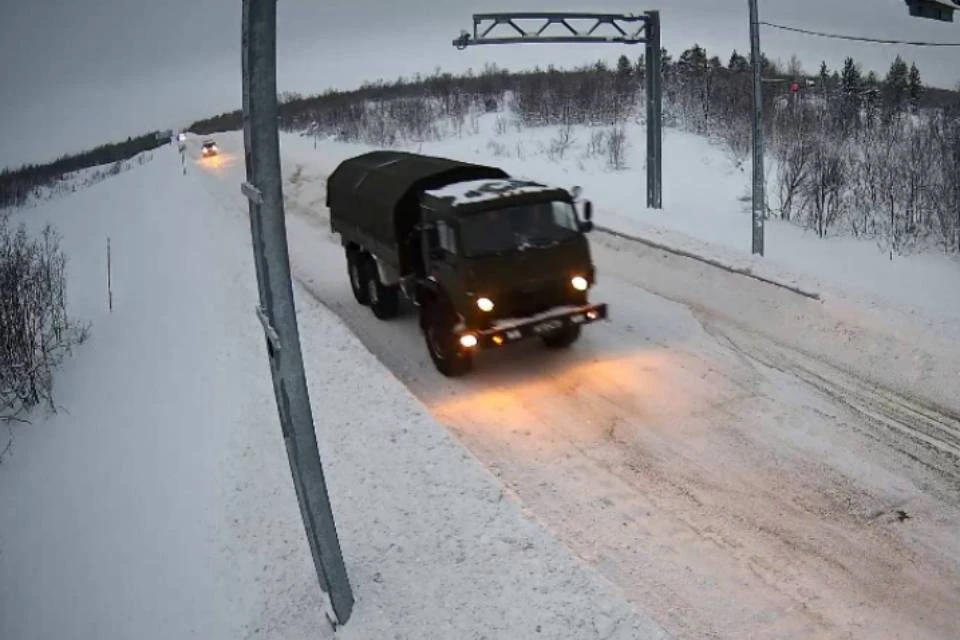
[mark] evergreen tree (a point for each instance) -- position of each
(914, 87)
(624, 85)
(850, 78)
(693, 60)
(823, 77)
(767, 68)
(871, 99)
(666, 60)
(851, 86)
(738, 63)
(896, 87)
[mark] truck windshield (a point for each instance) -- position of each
(517, 228)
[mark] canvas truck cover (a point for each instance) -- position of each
(377, 192)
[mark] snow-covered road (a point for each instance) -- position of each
(742, 461)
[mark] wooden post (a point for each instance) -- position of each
(109, 279)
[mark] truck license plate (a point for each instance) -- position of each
(548, 326)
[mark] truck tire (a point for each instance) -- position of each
(436, 321)
(383, 300)
(562, 338)
(355, 273)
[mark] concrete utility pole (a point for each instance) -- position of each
(650, 30)
(276, 311)
(759, 200)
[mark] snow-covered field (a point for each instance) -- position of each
(729, 457)
(157, 503)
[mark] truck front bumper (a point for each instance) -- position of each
(516, 329)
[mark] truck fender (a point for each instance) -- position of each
(388, 275)
(428, 290)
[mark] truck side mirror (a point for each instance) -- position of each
(575, 192)
(586, 225)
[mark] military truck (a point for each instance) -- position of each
(488, 259)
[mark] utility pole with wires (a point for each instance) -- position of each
(941, 10)
(759, 195)
(264, 190)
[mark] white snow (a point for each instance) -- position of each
(157, 502)
(486, 190)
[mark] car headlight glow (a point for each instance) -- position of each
(579, 283)
(485, 304)
(468, 340)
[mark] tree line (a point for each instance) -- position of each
(848, 151)
(17, 186)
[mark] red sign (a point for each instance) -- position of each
(794, 87)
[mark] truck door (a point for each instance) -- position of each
(440, 250)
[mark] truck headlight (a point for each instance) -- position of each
(579, 283)
(485, 304)
(468, 340)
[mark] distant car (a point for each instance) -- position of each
(209, 148)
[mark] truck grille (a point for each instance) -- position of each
(520, 302)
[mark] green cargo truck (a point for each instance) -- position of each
(488, 259)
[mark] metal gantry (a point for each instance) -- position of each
(941, 10)
(626, 29)
(277, 313)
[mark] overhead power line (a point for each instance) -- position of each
(838, 36)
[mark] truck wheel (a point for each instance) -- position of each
(384, 300)
(562, 338)
(447, 356)
(355, 273)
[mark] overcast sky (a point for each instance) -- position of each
(77, 73)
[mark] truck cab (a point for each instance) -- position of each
(512, 260)
(506, 248)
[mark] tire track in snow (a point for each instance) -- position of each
(899, 417)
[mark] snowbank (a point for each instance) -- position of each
(157, 502)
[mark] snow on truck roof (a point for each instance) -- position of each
(473, 191)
